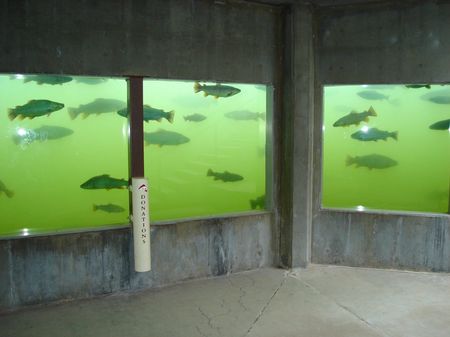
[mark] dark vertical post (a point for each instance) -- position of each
(135, 122)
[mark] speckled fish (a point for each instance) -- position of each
(151, 114)
(224, 176)
(91, 80)
(259, 202)
(34, 108)
(440, 99)
(45, 79)
(374, 134)
(245, 115)
(441, 125)
(163, 138)
(194, 118)
(371, 161)
(217, 90)
(354, 118)
(104, 181)
(108, 208)
(372, 95)
(418, 86)
(97, 107)
(43, 133)
(4, 189)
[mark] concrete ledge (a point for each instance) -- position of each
(80, 265)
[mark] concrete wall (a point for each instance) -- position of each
(197, 39)
(403, 42)
(59, 267)
(201, 39)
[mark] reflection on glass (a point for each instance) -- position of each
(56, 133)
(386, 147)
(204, 147)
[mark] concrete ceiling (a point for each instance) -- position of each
(321, 2)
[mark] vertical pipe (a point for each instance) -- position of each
(136, 121)
(139, 196)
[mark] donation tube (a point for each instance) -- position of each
(141, 225)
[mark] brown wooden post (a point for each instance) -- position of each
(135, 122)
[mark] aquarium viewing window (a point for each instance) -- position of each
(64, 150)
(386, 147)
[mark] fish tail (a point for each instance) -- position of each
(170, 116)
(372, 111)
(394, 135)
(197, 87)
(73, 113)
(94, 207)
(209, 173)
(349, 161)
(12, 114)
(9, 193)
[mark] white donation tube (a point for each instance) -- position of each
(141, 225)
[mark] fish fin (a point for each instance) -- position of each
(262, 116)
(372, 111)
(48, 115)
(216, 178)
(349, 161)
(21, 117)
(197, 87)
(170, 116)
(209, 173)
(253, 204)
(159, 120)
(205, 94)
(366, 119)
(84, 115)
(394, 135)
(353, 112)
(97, 114)
(11, 114)
(185, 118)
(428, 86)
(73, 113)
(216, 97)
(9, 193)
(94, 207)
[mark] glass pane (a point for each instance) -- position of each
(204, 155)
(386, 147)
(56, 133)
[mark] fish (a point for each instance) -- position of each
(440, 99)
(194, 118)
(259, 202)
(151, 114)
(441, 125)
(43, 133)
(245, 115)
(372, 95)
(91, 80)
(224, 176)
(418, 86)
(371, 161)
(163, 137)
(108, 208)
(34, 108)
(374, 134)
(45, 79)
(5, 190)
(354, 118)
(97, 107)
(217, 90)
(104, 181)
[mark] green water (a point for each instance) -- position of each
(45, 174)
(420, 180)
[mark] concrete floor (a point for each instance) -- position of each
(320, 301)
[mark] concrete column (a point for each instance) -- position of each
(297, 140)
